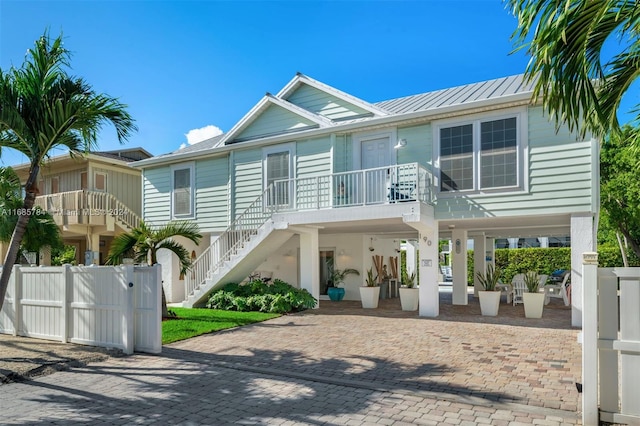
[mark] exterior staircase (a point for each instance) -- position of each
(236, 252)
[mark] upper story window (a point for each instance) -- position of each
(182, 199)
(483, 154)
(278, 168)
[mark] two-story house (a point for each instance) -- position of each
(92, 198)
(313, 175)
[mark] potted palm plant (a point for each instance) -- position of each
(489, 296)
(370, 292)
(533, 300)
(336, 279)
(409, 292)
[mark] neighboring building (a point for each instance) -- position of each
(92, 198)
(313, 174)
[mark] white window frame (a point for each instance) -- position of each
(192, 168)
(520, 114)
(275, 149)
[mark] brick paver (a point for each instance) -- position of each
(337, 365)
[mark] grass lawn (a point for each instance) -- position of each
(194, 322)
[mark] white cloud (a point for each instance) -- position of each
(201, 134)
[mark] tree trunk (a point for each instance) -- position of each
(623, 251)
(18, 232)
(153, 259)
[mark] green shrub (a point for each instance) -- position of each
(278, 297)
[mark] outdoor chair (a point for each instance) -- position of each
(559, 291)
(519, 288)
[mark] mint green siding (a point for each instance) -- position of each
(323, 103)
(313, 157)
(247, 175)
(156, 186)
(419, 148)
(212, 194)
(275, 120)
(559, 179)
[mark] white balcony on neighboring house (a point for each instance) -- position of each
(93, 208)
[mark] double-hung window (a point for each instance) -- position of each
(182, 197)
(481, 155)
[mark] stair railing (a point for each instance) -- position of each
(230, 242)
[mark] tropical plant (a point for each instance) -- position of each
(371, 280)
(64, 255)
(43, 108)
(620, 186)
(256, 295)
(531, 281)
(408, 280)
(566, 40)
(337, 276)
(489, 279)
(143, 242)
(41, 230)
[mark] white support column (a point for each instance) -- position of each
(459, 266)
(428, 266)
(582, 241)
(479, 261)
(310, 262)
(410, 258)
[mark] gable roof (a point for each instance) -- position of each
(506, 91)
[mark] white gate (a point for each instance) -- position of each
(109, 306)
(611, 343)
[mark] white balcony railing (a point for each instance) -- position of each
(382, 185)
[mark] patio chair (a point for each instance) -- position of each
(519, 288)
(559, 291)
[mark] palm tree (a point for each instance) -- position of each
(41, 229)
(43, 108)
(566, 40)
(143, 243)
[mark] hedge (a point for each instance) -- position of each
(545, 260)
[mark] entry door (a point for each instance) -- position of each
(376, 154)
(326, 265)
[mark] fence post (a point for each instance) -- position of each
(17, 296)
(66, 319)
(127, 311)
(157, 341)
(590, 338)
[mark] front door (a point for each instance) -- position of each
(376, 156)
(326, 265)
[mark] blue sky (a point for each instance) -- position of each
(184, 65)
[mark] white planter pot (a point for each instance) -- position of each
(369, 297)
(533, 304)
(409, 298)
(489, 302)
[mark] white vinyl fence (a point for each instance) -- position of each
(108, 306)
(611, 344)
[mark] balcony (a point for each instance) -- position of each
(382, 185)
(86, 208)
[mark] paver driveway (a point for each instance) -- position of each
(335, 365)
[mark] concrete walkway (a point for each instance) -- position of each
(337, 365)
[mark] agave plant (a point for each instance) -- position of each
(372, 280)
(490, 279)
(408, 281)
(531, 281)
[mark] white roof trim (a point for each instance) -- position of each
(264, 103)
(507, 101)
(303, 79)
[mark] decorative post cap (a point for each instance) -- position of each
(590, 258)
